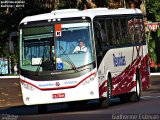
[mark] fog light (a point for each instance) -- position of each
(27, 98)
(27, 86)
(91, 93)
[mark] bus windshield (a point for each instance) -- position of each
(57, 48)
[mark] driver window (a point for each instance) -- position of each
(97, 35)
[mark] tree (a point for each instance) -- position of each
(9, 22)
(153, 15)
(153, 10)
(11, 17)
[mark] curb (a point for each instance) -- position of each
(3, 77)
(151, 74)
(155, 74)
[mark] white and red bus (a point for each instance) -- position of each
(115, 63)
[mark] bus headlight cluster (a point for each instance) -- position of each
(88, 80)
(91, 78)
(27, 86)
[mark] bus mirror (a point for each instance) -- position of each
(13, 40)
(11, 47)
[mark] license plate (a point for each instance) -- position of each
(58, 95)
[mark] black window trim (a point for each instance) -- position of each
(128, 16)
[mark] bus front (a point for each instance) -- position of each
(51, 71)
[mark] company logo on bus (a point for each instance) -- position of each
(70, 82)
(119, 60)
(46, 85)
(57, 84)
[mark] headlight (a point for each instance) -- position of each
(27, 86)
(92, 78)
(89, 79)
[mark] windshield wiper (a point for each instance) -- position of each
(41, 62)
(38, 68)
(69, 60)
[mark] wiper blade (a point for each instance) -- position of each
(38, 68)
(41, 62)
(69, 60)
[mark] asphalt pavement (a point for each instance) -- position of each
(12, 107)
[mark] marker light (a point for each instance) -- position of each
(27, 86)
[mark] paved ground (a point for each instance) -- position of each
(12, 106)
(10, 93)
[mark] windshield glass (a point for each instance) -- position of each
(73, 45)
(56, 48)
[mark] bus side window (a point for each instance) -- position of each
(103, 32)
(142, 30)
(137, 32)
(117, 31)
(98, 39)
(97, 36)
(124, 35)
(130, 31)
(109, 29)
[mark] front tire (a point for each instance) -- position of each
(104, 102)
(135, 97)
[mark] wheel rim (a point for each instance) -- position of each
(138, 88)
(109, 92)
(109, 89)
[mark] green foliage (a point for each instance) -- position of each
(4, 51)
(152, 47)
(66, 4)
(153, 14)
(152, 53)
(153, 10)
(158, 33)
(11, 17)
(9, 22)
(152, 43)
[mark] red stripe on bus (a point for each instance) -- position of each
(103, 88)
(57, 88)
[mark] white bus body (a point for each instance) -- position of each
(111, 61)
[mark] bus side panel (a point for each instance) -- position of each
(144, 70)
(122, 63)
(103, 88)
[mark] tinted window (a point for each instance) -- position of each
(120, 30)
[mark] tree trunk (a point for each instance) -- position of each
(55, 4)
(83, 4)
(91, 4)
(114, 4)
(142, 7)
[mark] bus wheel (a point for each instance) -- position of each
(42, 108)
(135, 97)
(104, 102)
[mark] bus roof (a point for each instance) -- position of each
(70, 13)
